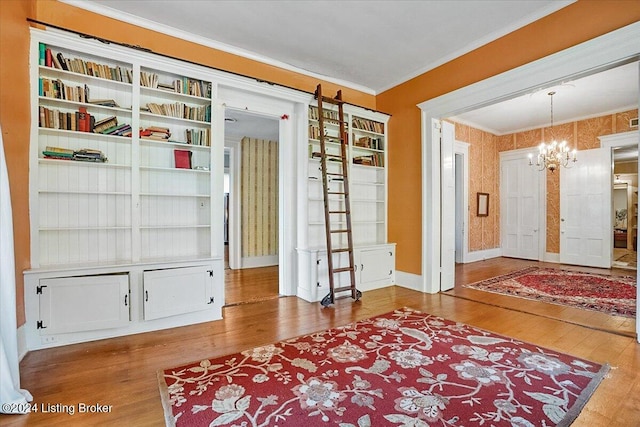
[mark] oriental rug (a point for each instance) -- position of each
(403, 368)
(614, 295)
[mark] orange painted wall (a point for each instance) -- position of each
(574, 24)
(15, 122)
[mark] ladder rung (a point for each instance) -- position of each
(330, 100)
(335, 174)
(338, 212)
(341, 250)
(344, 288)
(342, 269)
(335, 192)
(345, 230)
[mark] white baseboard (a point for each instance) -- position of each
(482, 255)
(22, 341)
(410, 281)
(259, 261)
(552, 257)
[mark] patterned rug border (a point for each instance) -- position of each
(569, 418)
(527, 270)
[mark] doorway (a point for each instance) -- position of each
(625, 208)
(605, 52)
(251, 207)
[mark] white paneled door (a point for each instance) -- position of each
(585, 210)
(520, 206)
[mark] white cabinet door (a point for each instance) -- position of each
(375, 267)
(177, 291)
(74, 304)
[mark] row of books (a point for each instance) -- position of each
(368, 125)
(84, 155)
(48, 58)
(183, 85)
(81, 121)
(51, 88)
(181, 110)
(331, 135)
(192, 136)
(327, 114)
(368, 142)
(370, 160)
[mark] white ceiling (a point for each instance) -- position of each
(373, 45)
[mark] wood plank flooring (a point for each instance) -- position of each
(121, 372)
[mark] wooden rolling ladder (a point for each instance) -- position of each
(333, 198)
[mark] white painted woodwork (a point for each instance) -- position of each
(375, 268)
(604, 52)
(74, 304)
(177, 291)
(448, 224)
(520, 204)
(368, 197)
(585, 210)
(138, 212)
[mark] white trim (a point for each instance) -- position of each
(203, 41)
(622, 139)
(462, 148)
(483, 255)
(259, 261)
(552, 257)
(22, 341)
(409, 280)
(595, 55)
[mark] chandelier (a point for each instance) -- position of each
(553, 154)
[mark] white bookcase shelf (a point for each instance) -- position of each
(367, 152)
(143, 212)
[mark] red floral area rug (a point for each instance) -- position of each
(403, 368)
(614, 295)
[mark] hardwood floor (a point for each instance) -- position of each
(121, 372)
(477, 271)
(250, 285)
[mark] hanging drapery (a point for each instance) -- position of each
(13, 399)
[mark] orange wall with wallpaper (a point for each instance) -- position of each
(484, 170)
(574, 24)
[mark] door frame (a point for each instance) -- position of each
(462, 198)
(605, 52)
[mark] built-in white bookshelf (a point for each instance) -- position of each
(367, 174)
(121, 194)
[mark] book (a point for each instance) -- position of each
(62, 61)
(41, 53)
(182, 159)
(103, 102)
(83, 123)
(105, 123)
